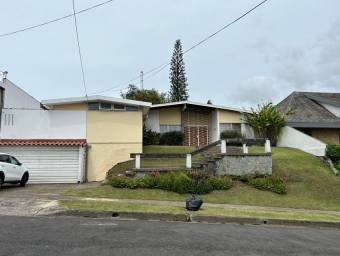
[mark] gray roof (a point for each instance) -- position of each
(308, 110)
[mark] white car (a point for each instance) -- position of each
(12, 171)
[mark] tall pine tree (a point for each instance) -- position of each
(178, 81)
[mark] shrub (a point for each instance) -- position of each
(266, 121)
(150, 137)
(276, 185)
(171, 139)
(221, 183)
(179, 182)
(333, 152)
(231, 134)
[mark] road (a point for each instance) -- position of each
(81, 236)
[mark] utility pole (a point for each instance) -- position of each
(142, 79)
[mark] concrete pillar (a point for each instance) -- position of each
(137, 161)
(245, 149)
(223, 147)
(188, 161)
(267, 147)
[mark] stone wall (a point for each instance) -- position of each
(244, 164)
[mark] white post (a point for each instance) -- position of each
(223, 147)
(137, 161)
(267, 147)
(245, 149)
(188, 161)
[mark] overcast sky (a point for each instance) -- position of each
(283, 46)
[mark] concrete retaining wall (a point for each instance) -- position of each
(244, 164)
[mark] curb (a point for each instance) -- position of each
(196, 219)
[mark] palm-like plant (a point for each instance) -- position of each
(266, 121)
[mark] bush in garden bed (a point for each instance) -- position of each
(179, 182)
(270, 183)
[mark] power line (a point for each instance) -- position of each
(55, 20)
(154, 71)
(78, 44)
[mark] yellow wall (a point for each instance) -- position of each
(112, 136)
(77, 106)
(227, 116)
(170, 116)
(327, 135)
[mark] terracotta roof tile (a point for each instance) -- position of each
(42, 142)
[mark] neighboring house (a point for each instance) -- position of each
(69, 140)
(15, 97)
(200, 123)
(315, 114)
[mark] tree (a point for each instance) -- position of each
(178, 80)
(153, 96)
(209, 102)
(266, 121)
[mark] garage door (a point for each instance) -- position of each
(49, 164)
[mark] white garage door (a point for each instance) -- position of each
(48, 164)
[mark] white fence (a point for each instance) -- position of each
(42, 124)
(293, 138)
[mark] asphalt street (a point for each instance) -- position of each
(82, 236)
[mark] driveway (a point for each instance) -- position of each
(34, 200)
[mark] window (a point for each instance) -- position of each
(119, 107)
(14, 161)
(170, 128)
(93, 106)
(106, 106)
(131, 108)
(4, 159)
(229, 127)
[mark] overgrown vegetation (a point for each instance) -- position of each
(179, 182)
(171, 139)
(150, 137)
(333, 153)
(231, 134)
(266, 121)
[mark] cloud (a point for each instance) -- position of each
(312, 67)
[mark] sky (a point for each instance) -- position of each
(283, 46)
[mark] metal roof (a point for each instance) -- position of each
(94, 98)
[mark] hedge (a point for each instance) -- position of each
(179, 182)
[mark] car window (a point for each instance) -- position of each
(14, 161)
(4, 159)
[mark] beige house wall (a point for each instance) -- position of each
(227, 116)
(112, 137)
(170, 116)
(327, 135)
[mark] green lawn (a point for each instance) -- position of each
(209, 211)
(311, 185)
(167, 149)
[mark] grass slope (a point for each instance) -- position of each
(311, 185)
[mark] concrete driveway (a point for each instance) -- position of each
(34, 200)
